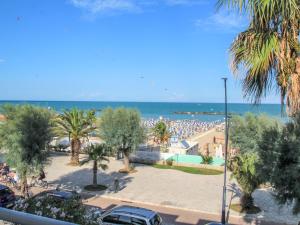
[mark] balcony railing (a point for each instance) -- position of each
(28, 219)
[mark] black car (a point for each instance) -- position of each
(7, 197)
(63, 195)
(60, 195)
(216, 223)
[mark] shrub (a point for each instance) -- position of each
(206, 159)
(244, 170)
(71, 210)
(170, 162)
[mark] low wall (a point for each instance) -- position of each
(149, 157)
(156, 157)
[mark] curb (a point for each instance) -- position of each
(236, 217)
(165, 206)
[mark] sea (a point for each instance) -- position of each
(174, 111)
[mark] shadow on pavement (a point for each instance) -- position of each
(248, 219)
(78, 179)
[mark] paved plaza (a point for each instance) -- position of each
(174, 189)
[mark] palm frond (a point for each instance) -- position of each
(256, 53)
(76, 123)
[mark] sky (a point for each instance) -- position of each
(118, 50)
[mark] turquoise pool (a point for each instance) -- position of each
(195, 159)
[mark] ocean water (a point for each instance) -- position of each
(166, 110)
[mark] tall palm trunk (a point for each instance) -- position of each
(75, 148)
(95, 170)
(72, 150)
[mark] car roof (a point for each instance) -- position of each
(131, 210)
(2, 187)
(61, 194)
(215, 223)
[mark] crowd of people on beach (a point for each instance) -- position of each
(183, 129)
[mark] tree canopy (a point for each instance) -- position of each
(24, 137)
(279, 153)
(245, 131)
(270, 154)
(122, 130)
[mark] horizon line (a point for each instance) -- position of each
(120, 101)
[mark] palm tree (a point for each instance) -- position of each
(76, 124)
(97, 153)
(267, 52)
(161, 132)
(243, 168)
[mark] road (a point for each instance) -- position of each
(174, 216)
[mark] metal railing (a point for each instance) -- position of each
(28, 219)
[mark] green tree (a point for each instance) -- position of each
(244, 132)
(161, 132)
(122, 130)
(97, 154)
(243, 168)
(267, 152)
(267, 52)
(24, 136)
(279, 151)
(77, 125)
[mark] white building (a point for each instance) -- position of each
(184, 147)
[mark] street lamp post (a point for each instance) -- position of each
(223, 219)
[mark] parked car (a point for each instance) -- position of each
(130, 215)
(216, 223)
(7, 197)
(60, 195)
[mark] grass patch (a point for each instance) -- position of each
(132, 170)
(97, 187)
(238, 208)
(192, 170)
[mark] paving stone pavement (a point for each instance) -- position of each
(164, 187)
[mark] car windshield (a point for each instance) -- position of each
(156, 220)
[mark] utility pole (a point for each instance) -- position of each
(223, 219)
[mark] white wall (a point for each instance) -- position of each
(147, 156)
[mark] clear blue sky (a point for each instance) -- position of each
(126, 50)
